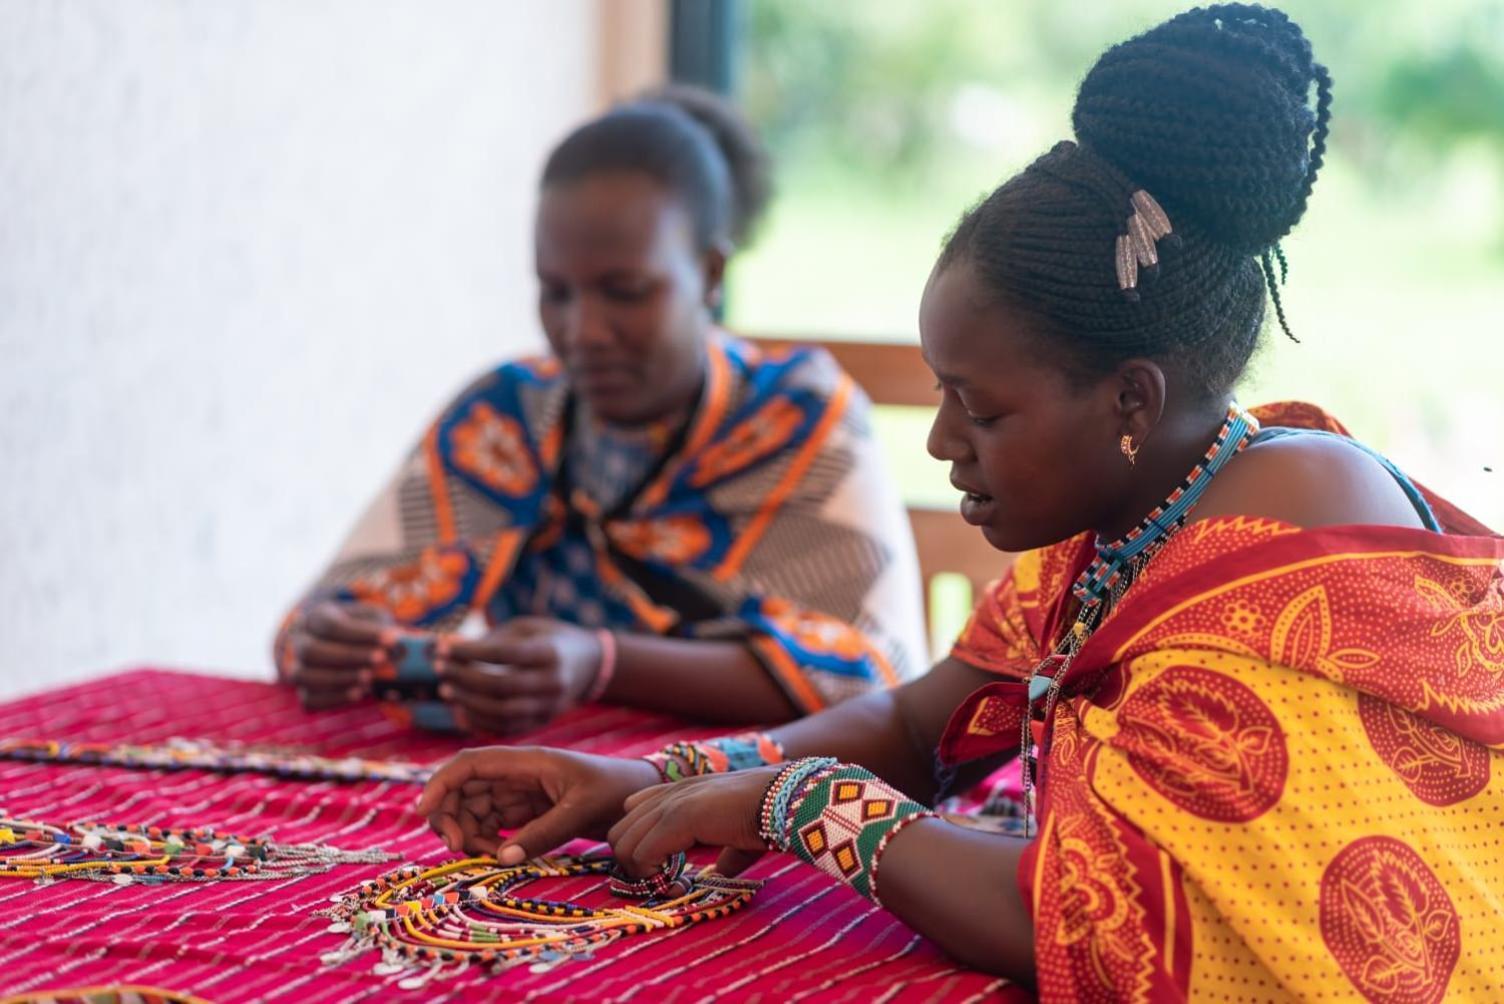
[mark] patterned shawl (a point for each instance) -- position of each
(771, 520)
(1276, 770)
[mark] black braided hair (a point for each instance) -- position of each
(1210, 114)
(692, 142)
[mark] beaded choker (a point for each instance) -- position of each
(196, 754)
(1113, 558)
(429, 923)
(149, 855)
(1116, 566)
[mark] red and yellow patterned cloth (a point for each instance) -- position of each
(1277, 769)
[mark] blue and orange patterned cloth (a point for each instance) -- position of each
(768, 518)
(1276, 770)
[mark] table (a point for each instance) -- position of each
(804, 936)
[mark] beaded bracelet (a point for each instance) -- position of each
(838, 817)
(787, 784)
(677, 761)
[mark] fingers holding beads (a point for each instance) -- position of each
(718, 810)
(330, 651)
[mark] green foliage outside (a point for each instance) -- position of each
(889, 117)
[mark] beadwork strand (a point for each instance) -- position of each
(196, 754)
(129, 854)
(428, 923)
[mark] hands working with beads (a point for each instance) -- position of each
(520, 675)
(955, 885)
(528, 670)
(329, 650)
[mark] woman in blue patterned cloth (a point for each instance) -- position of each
(655, 513)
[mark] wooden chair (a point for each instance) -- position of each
(894, 374)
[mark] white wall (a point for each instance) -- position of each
(245, 249)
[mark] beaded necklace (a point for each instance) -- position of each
(150, 855)
(199, 754)
(1116, 566)
(431, 922)
(115, 993)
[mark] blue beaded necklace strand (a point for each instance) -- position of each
(1115, 567)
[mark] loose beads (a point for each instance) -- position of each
(677, 761)
(124, 855)
(436, 921)
(195, 754)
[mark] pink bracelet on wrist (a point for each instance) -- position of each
(607, 668)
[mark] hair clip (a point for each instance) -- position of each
(1138, 246)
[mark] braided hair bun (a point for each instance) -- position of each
(750, 164)
(1210, 113)
(693, 142)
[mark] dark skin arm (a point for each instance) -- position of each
(532, 669)
(955, 885)
(893, 733)
(552, 796)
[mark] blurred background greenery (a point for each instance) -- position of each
(889, 117)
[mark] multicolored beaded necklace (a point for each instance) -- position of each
(126, 855)
(1116, 566)
(116, 993)
(433, 922)
(198, 754)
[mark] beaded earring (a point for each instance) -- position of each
(151, 855)
(1125, 445)
(432, 922)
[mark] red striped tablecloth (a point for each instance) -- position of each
(804, 936)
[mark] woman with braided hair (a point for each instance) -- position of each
(1252, 676)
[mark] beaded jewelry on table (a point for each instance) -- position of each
(229, 758)
(111, 994)
(126, 855)
(1099, 588)
(433, 922)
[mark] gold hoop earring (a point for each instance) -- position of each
(1128, 449)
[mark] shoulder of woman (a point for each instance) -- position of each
(1309, 481)
(807, 371)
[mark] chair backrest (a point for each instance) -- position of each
(895, 374)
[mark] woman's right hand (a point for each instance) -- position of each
(548, 796)
(331, 650)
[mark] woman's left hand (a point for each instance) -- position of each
(718, 810)
(521, 675)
